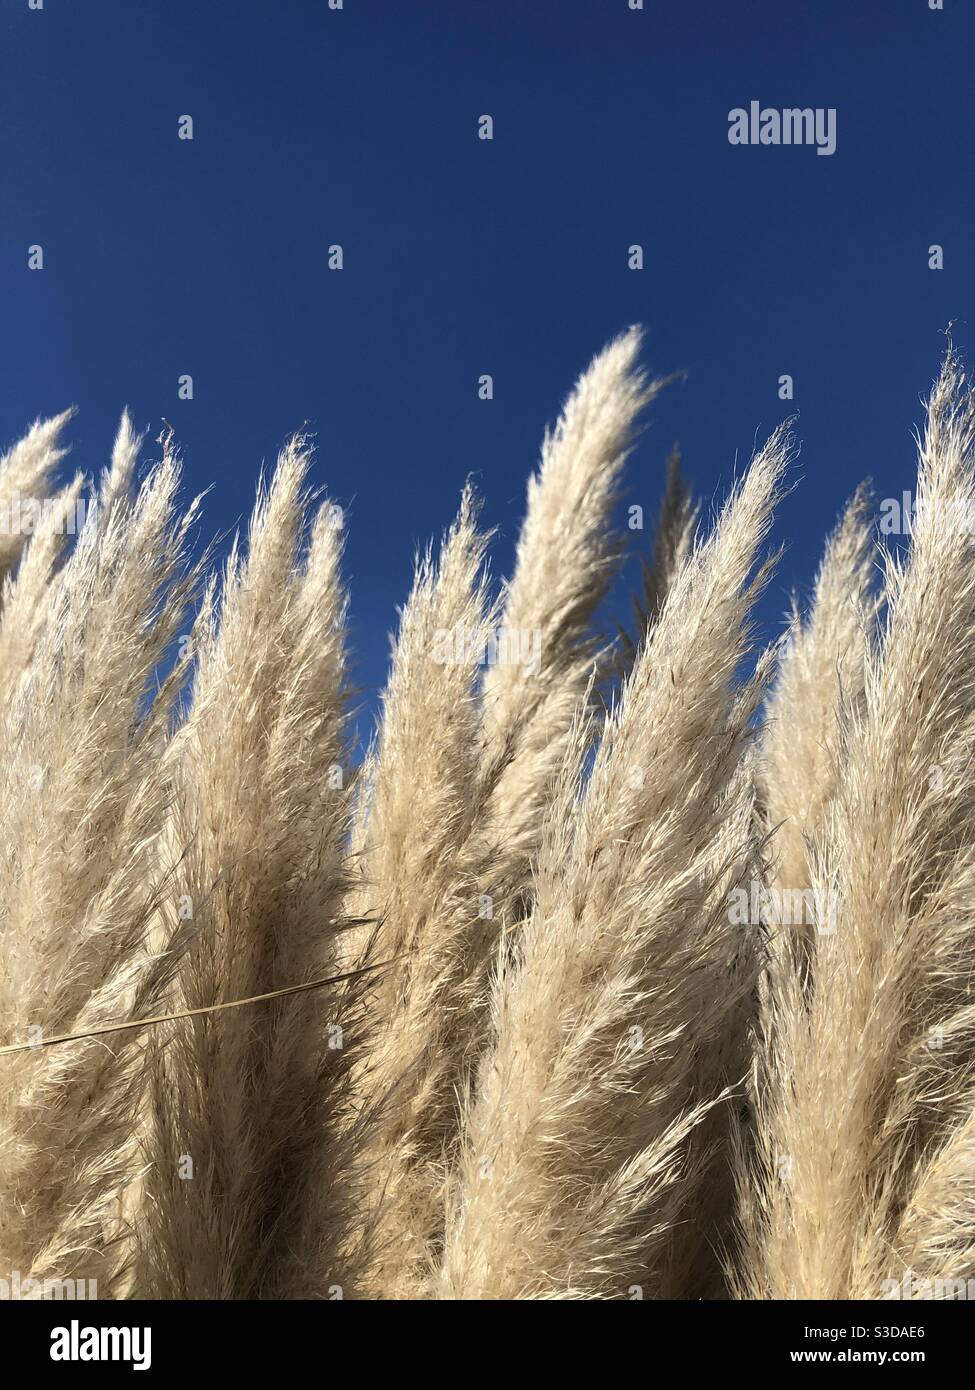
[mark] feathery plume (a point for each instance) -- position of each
(566, 558)
(866, 1073)
(672, 540)
(573, 1169)
(25, 594)
(26, 471)
(425, 874)
(822, 668)
(245, 1101)
(82, 746)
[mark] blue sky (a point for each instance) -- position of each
(314, 126)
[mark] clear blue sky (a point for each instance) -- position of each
(314, 126)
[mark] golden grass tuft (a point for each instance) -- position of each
(517, 1007)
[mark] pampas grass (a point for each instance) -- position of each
(573, 1169)
(256, 824)
(865, 1094)
(567, 556)
(425, 874)
(516, 1006)
(84, 742)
